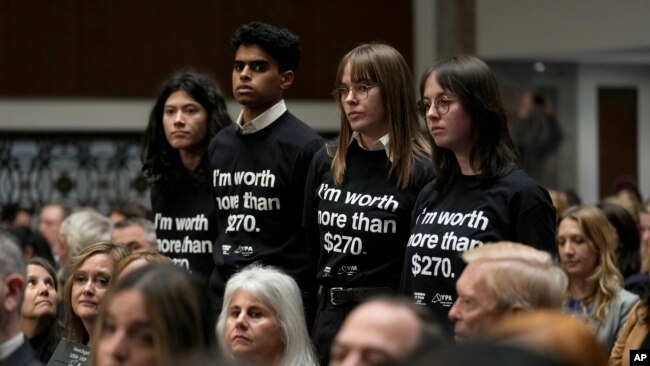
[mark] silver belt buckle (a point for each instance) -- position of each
(332, 295)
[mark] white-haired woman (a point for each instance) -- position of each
(262, 319)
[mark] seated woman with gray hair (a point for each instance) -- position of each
(262, 319)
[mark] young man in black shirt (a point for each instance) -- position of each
(260, 164)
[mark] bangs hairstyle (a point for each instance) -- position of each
(602, 239)
(493, 152)
(384, 66)
(160, 161)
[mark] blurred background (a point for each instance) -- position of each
(78, 79)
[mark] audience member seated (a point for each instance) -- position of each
(553, 333)
(33, 244)
(138, 259)
(586, 243)
(78, 231)
(14, 215)
(136, 233)
(38, 316)
(91, 272)
(628, 243)
(49, 222)
(483, 354)
(626, 193)
(644, 233)
(384, 331)
(262, 320)
(129, 210)
(153, 315)
(14, 347)
(559, 201)
(500, 279)
(635, 333)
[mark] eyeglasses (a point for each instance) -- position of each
(441, 104)
(360, 91)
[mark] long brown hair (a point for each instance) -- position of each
(385, 66)
(493, 152)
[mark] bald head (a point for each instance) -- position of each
(376, 333)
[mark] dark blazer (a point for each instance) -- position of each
(23, 356)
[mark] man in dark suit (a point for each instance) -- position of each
(15, 349)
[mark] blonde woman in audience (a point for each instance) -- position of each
(586, 243)
(262, 320)
(91, 273)
(152, 316)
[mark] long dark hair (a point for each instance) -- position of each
(493, 152)
(160, 161)
(628, 251)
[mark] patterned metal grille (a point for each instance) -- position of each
(99, 170)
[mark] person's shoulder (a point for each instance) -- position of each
(23, 355)
(626, 297)
(294, 123)
(517, 180)
(226, 131)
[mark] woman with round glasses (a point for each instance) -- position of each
(480, 194)
(361, 189)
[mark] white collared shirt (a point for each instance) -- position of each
(11, 345)
(262, 121)
(382, 144)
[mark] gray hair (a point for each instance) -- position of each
(280, 292)
(147, 227)
(11, 257)
(520, 276)
(84, 228)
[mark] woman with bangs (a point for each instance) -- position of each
(361, 189)
(586, 243)
(480, 195)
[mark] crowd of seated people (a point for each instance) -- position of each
(513, 301)
(480, 270)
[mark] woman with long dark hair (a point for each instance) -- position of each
(480, 195)
(189, 111)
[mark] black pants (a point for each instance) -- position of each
(327, 323)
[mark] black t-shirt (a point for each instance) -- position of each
(360, 229)
(470, 214)
(184, 228)
(259, 181)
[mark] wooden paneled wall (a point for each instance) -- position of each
(125, 49)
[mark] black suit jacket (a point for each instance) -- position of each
(23, 356)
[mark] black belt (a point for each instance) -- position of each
(339, 295)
